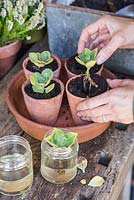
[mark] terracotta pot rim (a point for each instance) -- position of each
(73, 74)
(21, 117)
(67, 91)
(41, 100)
(10, 49)
(10, 45)
(53, 56)
(82, 98)
(66, 67)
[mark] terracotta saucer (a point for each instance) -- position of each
(17, 106)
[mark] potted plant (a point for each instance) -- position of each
(76, 64)
(59, 153)
(80, 87)
(37, 62)
(43, 97)
(17, 18)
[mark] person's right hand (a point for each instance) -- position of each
(108, 34)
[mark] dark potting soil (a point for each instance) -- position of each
(33, 68)
(76, 68)
(53, 93)
(76, 87)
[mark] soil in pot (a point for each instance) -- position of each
(76, 68)
(53, 93)
(33, 68)
(76, 86)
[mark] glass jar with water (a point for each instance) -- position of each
(16, 170)
(59, 156)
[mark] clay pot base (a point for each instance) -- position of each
(17, 106)
(33, 68)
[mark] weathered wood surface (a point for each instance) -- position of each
(119, 145)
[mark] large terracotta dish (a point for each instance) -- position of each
(17, 106)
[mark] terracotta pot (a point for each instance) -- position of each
(28, 73)
(8, 56)
(70, 74)
(73, 102)
(16, 104)
(44, 111)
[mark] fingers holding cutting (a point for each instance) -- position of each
(99, 111)
(94, 102)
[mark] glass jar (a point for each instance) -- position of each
(16, 169)
(58, 165)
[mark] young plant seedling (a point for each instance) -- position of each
(60, 139)
(41, 81)
(41, 59)
(64, 165)
(87, 58)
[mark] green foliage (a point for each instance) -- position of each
(41, 81)
(18, 17)
(41, 59)
(60, 139)
(87, 57)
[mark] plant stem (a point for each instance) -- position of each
(88, 76)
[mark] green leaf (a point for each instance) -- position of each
(58, 135)
(79, 61)
(34, 78)
(61, 139)
(38, 89)
(42, 80)
(33, 57)
(49, 88)
(45, 55)
(41, 59)
(47, 74)
(93, 54)
(87, 57)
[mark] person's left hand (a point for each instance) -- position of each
(115, 105)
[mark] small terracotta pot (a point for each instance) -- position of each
(73, 102)
(43, 111)
(70, 74)
(8, 56)
(28, 73)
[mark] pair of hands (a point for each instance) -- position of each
(108, 34)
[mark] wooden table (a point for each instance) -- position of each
(119, 145)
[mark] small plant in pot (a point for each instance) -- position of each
(59, 152)
(37, 62)
(17, 18)
(84, 86)
(43, 96)
(76, 64)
